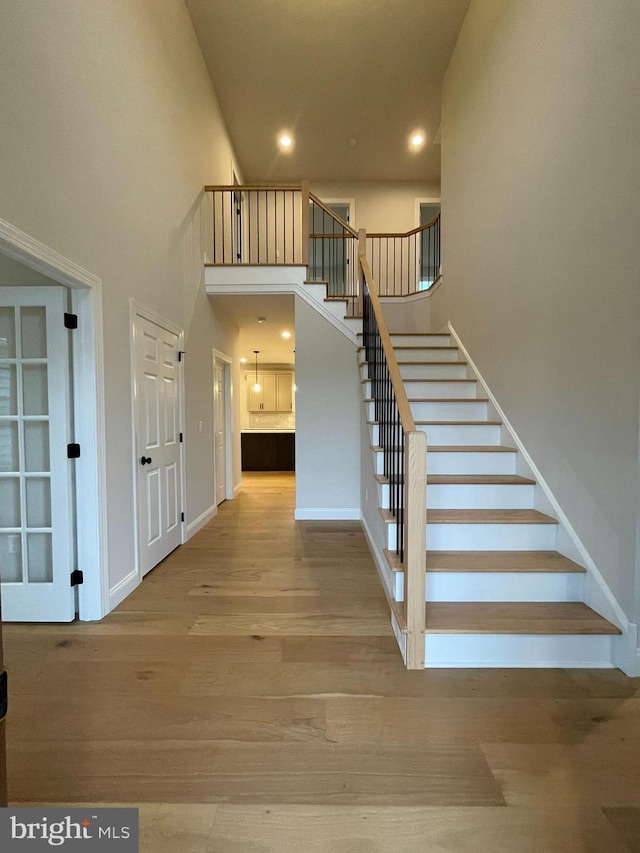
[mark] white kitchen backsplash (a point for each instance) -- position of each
(272, 420)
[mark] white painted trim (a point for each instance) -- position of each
(34, 254)
(626, 654)
(228, 426)
(615, 612)
(198, 523)
(137, 309)
(123, 589)
(88, 351)
(382, 566)
(328, 514)
(401, 639)
(237, 489)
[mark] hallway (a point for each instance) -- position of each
(254, 676)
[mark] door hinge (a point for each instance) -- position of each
(181, 438)
(77, 577)
(73, 451)
(180, 354)
(181, 516)
(4, 696)
(70, 321)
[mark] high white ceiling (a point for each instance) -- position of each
(350, 79)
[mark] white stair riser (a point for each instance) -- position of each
(449, 411)
(489, 496)
(504, 586)
(485, 496)
(432, 389)
(421, 340)
(472, 462)
(485, 537)
(491, 537)
(518, 650)
(499, 586)
(471, 410)
(461, 463)
(461, 434)
(444, 370)
(444, 354)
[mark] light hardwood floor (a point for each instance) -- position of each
(249, 696)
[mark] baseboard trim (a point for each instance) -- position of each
(237, 489)
(606, 600)
(626, 654)
(123, 589)
(379, 559)
(327, 514)
(199, 522)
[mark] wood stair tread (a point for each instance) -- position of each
(447, 399)
(509, 562)
(530, 617)
(457, 423)
(470, 448)
(470, 480)
(479, 516)
(488, 516)
(447, 363)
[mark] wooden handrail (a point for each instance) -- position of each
(209, 188)
(333, 215)
(413, 230)
(404, 409)
(415, 492)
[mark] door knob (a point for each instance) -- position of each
(146, 460)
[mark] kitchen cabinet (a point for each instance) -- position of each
(268, 451)
(275, 394)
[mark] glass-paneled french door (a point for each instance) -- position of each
(37, 549)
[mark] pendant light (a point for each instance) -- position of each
(256, 386)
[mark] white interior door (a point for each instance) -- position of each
(157, 417)
(220, 430)
(37, 550)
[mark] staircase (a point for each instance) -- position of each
(497, 591)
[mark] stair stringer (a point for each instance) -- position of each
(242, 279)
(625, 653)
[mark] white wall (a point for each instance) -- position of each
(381, 207)
(328, 412)
(110, 128)
(540, 190)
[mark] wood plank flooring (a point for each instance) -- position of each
(250, 698)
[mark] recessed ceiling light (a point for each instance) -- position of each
(286, 334)
(285, 141)
(417, 138)
(262, 319)
(243, 361)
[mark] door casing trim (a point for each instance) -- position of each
(88, 380)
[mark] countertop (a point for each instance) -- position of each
(262, 429)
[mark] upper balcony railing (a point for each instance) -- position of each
(289, 225)
(402, 264)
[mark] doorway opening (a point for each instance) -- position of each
(222, 427)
